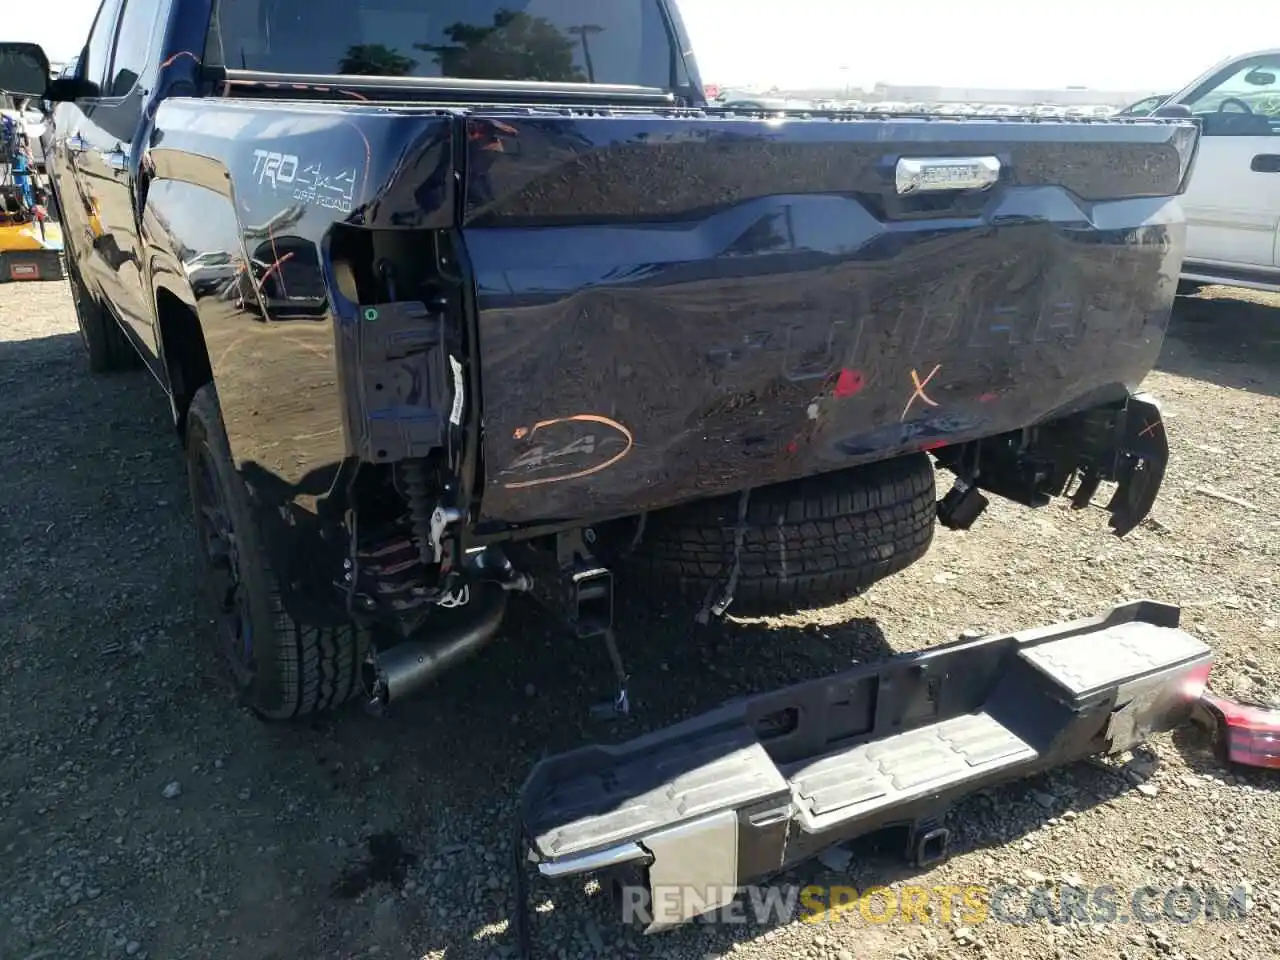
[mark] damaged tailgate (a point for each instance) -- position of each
(678, 306)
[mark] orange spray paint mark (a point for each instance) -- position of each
(919, 390)
(578, 474)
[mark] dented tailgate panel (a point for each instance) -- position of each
(676, 308)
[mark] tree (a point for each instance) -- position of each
(516, 47)
(584, 31)
(375, 59)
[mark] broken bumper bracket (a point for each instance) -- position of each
(754, 787)
(1142, 454)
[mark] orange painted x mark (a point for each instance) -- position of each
(919, 390)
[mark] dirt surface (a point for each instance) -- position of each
(143, 814)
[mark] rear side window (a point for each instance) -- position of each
(97, 55)
(582, 41)
(133, 44)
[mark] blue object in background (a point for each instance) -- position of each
(17, 159)
(22, 177)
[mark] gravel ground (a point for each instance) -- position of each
(142, 814)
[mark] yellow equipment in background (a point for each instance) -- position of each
(30, 244)
(30, 250)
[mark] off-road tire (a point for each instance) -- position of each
(297, 668)
(807, 544)
(108, 346)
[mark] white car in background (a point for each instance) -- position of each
(1232, 202)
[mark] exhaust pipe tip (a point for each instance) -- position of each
(449, 638)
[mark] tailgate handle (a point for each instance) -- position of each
(933, 174)
(1266, 163)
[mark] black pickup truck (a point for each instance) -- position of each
(479, 296)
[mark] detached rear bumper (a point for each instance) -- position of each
(763, 783)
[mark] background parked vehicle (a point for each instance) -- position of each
(1232, 200)
(1144, 107)
(766, 105)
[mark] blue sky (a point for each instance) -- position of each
(1104, 44)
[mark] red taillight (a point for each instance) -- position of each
(1250, 735)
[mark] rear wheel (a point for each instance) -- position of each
(281, 668)
(805, 544)
(108, 347)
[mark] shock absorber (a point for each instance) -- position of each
(418, 498)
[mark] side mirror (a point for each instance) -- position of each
(24, 69)
(67, 89)
(1173, 111)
